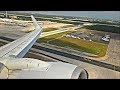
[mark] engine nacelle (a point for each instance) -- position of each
(37, 69)
(60, 70)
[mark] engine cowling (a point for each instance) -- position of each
(36, 69)
(60, 70)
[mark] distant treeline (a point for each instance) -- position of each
(105, 28)
(24, 18)
(52, 20)
(28, 18)
(47, 19)
(101, 22)
(61, 21)
(105, 22)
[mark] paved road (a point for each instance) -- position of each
(60, 30)
(114, 50)
(44, 34)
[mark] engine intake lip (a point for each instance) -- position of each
(79, 73)
(1, 67)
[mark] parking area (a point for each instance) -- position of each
(90, 35)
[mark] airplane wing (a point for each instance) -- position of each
(12, 65)
(20, 47)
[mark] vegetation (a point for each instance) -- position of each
(49, 29)
(67, 22)
(101, 22)
(105, 28)
(23, 18)
(67, 26)
(82, 45)
(28, 18)
(51, 37)
(105, 22)
(59, 21)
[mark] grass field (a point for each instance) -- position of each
(51, 37)
(49, 29)
(67, 26)
(82, 45)
(77, 44)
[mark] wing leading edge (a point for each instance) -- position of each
(20, 47)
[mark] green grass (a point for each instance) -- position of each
(67, 26)
(49, 29)
(82, 45)
(47, 38)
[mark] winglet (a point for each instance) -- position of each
(35, 22)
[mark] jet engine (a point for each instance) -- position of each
(28, 68)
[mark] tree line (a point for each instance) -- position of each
(105, 28)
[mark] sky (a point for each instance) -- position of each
(111, 15)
